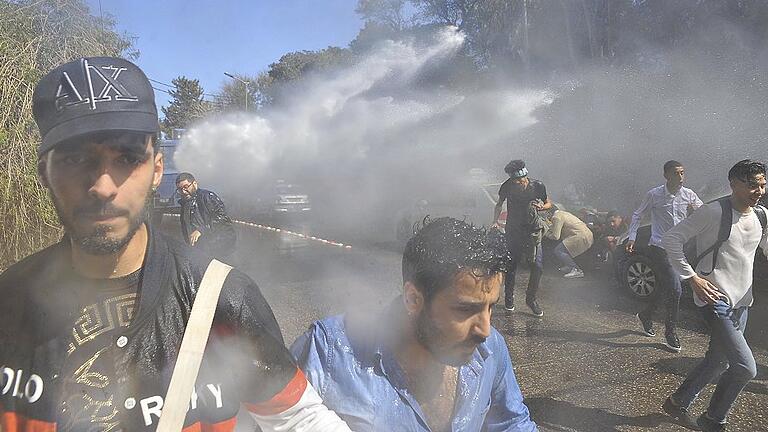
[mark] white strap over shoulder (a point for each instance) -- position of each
(192, 347)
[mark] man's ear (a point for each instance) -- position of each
(158, 170)
(413, 299)
(42, 170)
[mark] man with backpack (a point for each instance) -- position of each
(727, 233)
(668, 204)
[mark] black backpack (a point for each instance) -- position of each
(726, 220)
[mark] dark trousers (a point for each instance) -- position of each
(520, 247)
(668, 287)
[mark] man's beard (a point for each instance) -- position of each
(432, 338)
(97, 241)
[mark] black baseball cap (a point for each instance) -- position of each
(95, 94)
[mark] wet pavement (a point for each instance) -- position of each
(584, 366)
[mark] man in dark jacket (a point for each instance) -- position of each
(90, 328)
(204, 220)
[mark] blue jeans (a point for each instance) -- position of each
(565, 258)
(669, 287)
(728, 357)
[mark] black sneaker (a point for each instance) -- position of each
(680, 414)
(708, 425)
(671, 340)
(535, 309)
(509, 306)
(647, 324)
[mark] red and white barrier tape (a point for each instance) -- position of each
(285, 231)
(295, 234)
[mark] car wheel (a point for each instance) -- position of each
(636, 274)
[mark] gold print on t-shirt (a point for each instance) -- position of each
(89, 395)
(101, 423)
(100, 414)
(84, 375)
(98, 319)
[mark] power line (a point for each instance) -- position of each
(173, 86)
(161, 83)
(161, 90)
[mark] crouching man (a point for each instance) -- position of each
(90, 328)
(574, 238)
(431, 361)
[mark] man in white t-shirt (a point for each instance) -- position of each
(722, 284)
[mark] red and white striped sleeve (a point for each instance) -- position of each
(297, 408)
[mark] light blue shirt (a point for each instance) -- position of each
(667, 210)
(364, 385)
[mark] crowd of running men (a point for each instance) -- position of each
(727, 233)
(92, 327)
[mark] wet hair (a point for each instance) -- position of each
(443, 247)
(184, 176)
(612, 214)
(746, 169)
(670, 165)
(515, 165)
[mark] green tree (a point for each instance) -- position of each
(389, 13)
(295, 65)
(187, 104)
(231, 95)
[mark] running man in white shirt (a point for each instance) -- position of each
(722, 284)
(668, 204)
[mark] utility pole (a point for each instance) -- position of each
(245, 83)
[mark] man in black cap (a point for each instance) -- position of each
(204, 221)
(525, 197)
(90, 328)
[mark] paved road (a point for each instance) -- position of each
(582, 367)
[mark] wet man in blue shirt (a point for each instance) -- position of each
(431, 361)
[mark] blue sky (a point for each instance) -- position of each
(202, 39)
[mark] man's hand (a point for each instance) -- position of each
(704, 289)
(194, 237)
(630, 247)
(538, 206)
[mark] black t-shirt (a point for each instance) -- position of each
(106, 308)
(518, 201)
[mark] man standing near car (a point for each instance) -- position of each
(722, 284)
(204, 221)
(668, 205)
(524, 197)
(91, 327)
